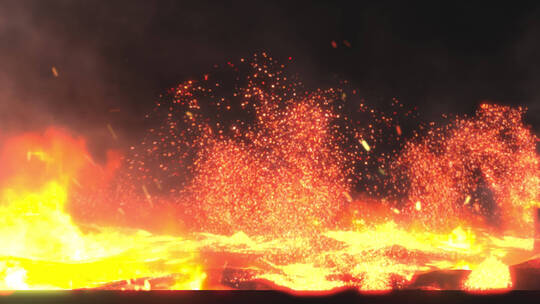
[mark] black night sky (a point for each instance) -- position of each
(441, 57)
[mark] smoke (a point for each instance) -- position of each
(526, 57)
(114, 58)
(76, 95)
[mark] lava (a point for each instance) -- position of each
(490, 274)
(43, 248)
(264, 180)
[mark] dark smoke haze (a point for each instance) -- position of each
(115, 57)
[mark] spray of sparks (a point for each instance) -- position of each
(269, 181)
(480, 169)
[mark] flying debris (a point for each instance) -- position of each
(365, 145)
(111, 130)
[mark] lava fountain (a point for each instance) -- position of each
(252, 181)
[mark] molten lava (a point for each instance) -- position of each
(490, 274)
(42, 248)
(273, 183)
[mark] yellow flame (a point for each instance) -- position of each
(461, 239)
(490, 274)
(43, 249)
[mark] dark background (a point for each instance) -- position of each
(441, 57)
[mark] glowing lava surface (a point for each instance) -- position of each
(267, 184)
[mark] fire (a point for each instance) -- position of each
(294, 194)
(42, 247)
(461, 239)
(490, 274)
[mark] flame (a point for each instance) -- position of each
(461, 239)
(490, 274)
(43, 248)
(297, 195)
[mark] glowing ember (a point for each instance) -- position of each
(365, 145)
(488, 162)
(288, 178)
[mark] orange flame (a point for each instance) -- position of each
(42, 248)
(271, 197)
(490, 274)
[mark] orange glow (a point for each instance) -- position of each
(490, 274)
(459, 169)
(42, 248)
(292, 196)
